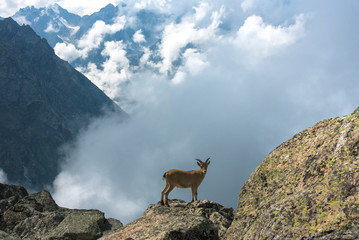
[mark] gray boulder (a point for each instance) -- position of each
(5, 236)
(37, 216)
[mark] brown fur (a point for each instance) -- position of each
(184, 179)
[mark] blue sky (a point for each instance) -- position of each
(277, 68)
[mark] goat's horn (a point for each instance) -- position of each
(199, 160)
(207, 159)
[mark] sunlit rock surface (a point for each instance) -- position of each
(198, 220)
(307, 188)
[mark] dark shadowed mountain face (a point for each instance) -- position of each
(43, 104)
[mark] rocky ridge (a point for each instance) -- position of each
(37, 216)
(307, 188)
(198, 220)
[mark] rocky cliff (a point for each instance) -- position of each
(200, 220)
(37, 216)
(43, 104)
(307, 188)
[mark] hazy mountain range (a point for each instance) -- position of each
(111, 41)
(58, 25)
(117, 42)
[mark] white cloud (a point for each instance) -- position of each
(145, 57)
(193, 63)
(68, 51)
(138, 37)
(21, 20)
(201, 11)
(148, 4)
(80, 190)
(3, 176)
(261, 39)
(93, 38)
(248, 5)
(177, 36)
(115, 70)
(90, 41)
(51, 28)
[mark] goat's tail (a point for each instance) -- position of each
(164, 176)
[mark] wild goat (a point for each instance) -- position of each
(184, 179)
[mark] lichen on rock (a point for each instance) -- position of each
(307, 188)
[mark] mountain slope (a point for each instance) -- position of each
(307, 188)
(43, 104)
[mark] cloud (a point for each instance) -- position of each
(79, 190)
(90, 41)
(262, 39)
(3, 177)
(194, 63)
(138, 37)
(93, 38)
(21, 20)
(247, 5)
(51, 28)
(68, 51)
(178, 35)
(222, 107)
(115, 70)
(85, 7)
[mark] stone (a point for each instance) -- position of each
(307, 188)
(37, 216)
(5, 236)
(198, 220)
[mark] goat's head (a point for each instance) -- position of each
(203, 165)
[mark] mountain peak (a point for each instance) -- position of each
(109, 6)
(21, 37)
(55, 7)
(10, 23)
(44, 102)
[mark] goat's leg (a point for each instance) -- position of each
(163, 192)
(170, 188)
(193, 193)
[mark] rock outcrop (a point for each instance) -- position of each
(37, 216)
(307, 188)
(198, 220)
(44, 102)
